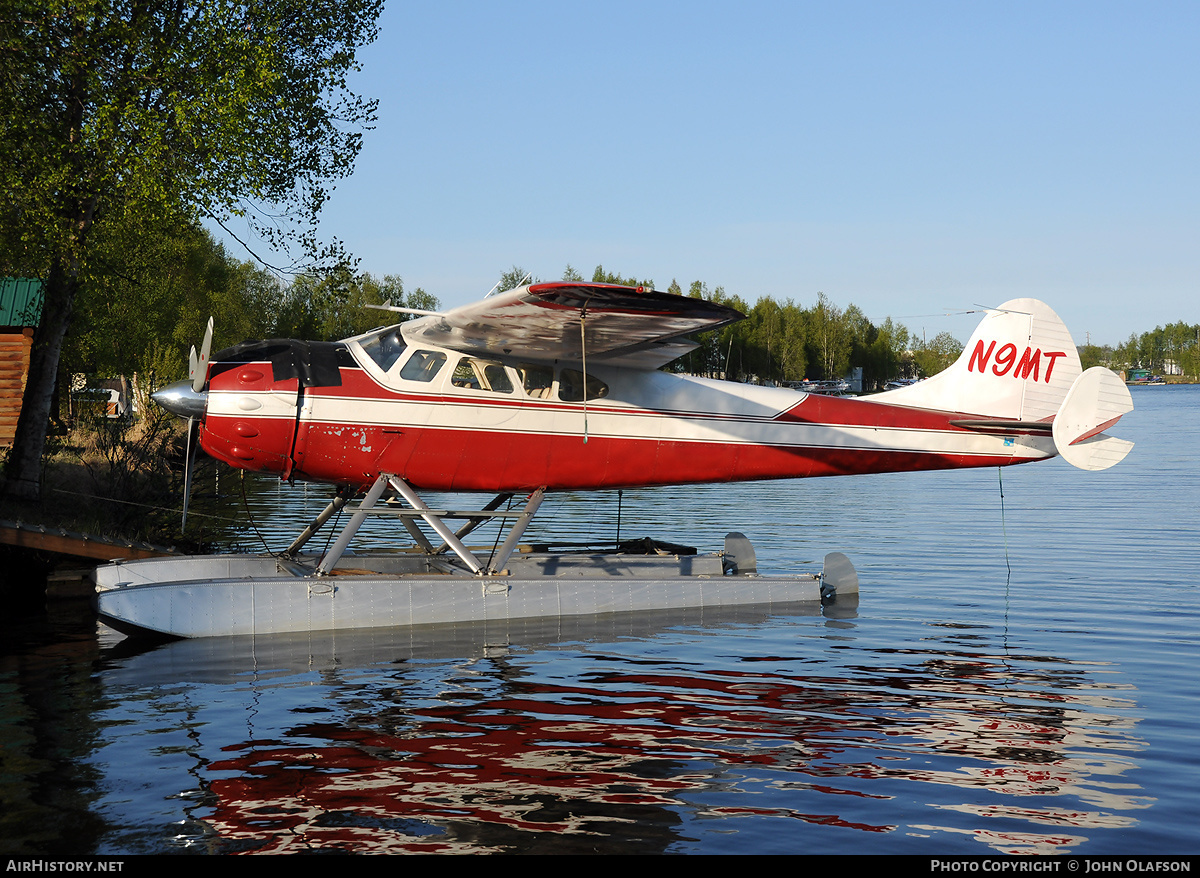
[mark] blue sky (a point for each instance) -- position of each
(912, 158)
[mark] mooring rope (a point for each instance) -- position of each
(1003, 524)
(250, 516)
(149, 506)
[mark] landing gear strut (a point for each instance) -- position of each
(435, 518)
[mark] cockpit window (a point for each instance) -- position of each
(481, 375)
(423, 365)
(384, 347)
(570, 386)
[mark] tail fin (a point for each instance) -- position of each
(1021, 365)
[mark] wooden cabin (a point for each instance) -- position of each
(20, 312)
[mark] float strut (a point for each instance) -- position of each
(518, 529)
(340, 499)
(434, 521)
(335, 551)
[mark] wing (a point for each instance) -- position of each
(625, 326)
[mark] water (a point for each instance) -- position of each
(1017, 675)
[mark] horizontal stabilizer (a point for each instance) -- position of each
(1095, 402)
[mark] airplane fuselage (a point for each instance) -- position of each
(448, 421)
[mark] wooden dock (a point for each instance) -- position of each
(85, 547)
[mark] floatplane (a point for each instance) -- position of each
(558, 387)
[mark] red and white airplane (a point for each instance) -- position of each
(557, 386)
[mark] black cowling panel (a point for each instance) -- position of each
(314, 363)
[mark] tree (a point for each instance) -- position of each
(1127, 355)
(888, 356)
(1094, 355)
(733, 341)
(710, 356)
(937, 354)
(600, 276)
(144, 313)
(515, 277)
(334, 306)
(136, 113)
(829, 337)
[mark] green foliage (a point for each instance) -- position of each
(783, 342)
(142, 319)
(937, 354)
(110, 109)
(118, 117)
(887, 354)
(600, 276)
(1092, 355)
(151, 303)
(831, 340)
(518, 276)
(334, 306)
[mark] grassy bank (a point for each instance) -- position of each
(114, 478)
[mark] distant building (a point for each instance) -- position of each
(20, 312)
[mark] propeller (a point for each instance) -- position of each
(188, 399)
(199, 375)
(189, 466)
(198, 365)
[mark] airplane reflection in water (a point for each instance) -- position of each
(505, 751)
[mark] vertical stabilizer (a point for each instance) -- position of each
(1020, 363)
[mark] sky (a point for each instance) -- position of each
(916, 159)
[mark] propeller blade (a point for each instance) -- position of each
(189, 467)
(200, 373)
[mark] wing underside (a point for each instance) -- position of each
(628, 326)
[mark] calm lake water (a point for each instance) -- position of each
(1017, 675)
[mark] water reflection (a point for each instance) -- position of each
(631, 734)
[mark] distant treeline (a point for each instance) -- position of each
(784, 342)
(1165, 350)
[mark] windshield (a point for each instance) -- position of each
(384, 347)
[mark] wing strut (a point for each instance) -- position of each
(583, 350)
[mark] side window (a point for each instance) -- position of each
(423, 365)
(464, 375)
(481, 375)
(537, 380)
(497, 378)
(570, 386)
(384, 347)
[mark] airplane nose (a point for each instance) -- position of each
(180, 399)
